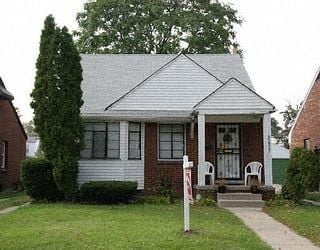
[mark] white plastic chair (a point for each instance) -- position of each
(255, 170)
(209, 172)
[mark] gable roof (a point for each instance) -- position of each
(176, 86)
(315, 78)
(108, 77)
(4, 93)
(235, 97)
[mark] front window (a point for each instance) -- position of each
(134, 141)
(4, 155)
(171, 141)
(102, 140)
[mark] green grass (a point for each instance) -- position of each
(313, 196)
(303, 219)
(139, 226)
(13, 199)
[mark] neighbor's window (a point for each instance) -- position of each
(102, 140)
(134, 141)
(171, 141)
(4, 155)
(306, 143)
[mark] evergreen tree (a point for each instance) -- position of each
(57, 98)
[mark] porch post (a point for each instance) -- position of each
(201, 149)
(267, 150)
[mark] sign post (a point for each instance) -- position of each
(187, 191)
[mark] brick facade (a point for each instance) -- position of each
(307, 124)
(11, 131)
(252, 150)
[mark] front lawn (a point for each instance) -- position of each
(13, 199)
(62, 226)
(303, 219)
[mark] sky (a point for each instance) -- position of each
(280, 40)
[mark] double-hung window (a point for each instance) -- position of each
(4, 155)
(134, 141)
(102, 140)
(171, 141)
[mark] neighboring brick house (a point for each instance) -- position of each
(12, 141)
(305, 131)
(144, 112)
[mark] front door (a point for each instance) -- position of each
(228, 151)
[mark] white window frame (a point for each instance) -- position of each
(140, 131)
(4, 155)
(158, 141)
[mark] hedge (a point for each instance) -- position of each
(108, 192)
(37, 178)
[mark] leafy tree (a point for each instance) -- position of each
(276, 130)
(157, 26)
(56, 100)
(289, 115)
(29, 128)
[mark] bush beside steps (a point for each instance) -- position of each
(108, 192)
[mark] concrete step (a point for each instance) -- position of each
(241, 203)
(239, 196)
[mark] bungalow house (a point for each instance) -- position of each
(144, 112)
(12, 141)
(305, 130)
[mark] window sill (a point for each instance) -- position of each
(3, 170)
(98, 159)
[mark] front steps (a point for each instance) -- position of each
(226, 200)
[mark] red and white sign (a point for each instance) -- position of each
(189, 185)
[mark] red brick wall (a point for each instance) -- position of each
(154, 169)
(307, 126)
(252, 144)
(10, 131)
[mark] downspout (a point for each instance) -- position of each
(193, 120)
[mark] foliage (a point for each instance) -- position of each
(279, 200)
(108, 192)
(164, 188)
(56, 100)
(303, 174)
(13, 199)
(37, 178)
(155, 199)
(276, 130)
(305, 220)
(29, 128)
(135, 226)
(313, 196)
(203, 202)
(161, 26)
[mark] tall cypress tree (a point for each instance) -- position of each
(57, 98)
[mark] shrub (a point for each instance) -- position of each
(108, 192)
(303, 174)
(37, 178)
(205, 202)
(156, 199)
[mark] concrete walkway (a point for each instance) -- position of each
(11, 209)
(275, 234)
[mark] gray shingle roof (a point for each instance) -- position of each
(107, 77)
(4, 93)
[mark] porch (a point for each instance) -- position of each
(237, 140)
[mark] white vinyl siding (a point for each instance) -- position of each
(234, 98)
(171, 141)
(178, 86)
(109, 169)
